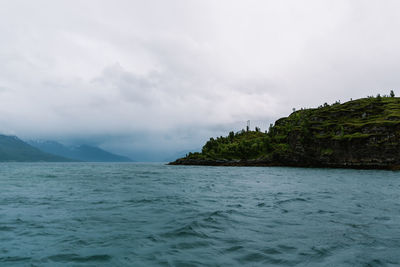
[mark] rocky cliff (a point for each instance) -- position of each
(363, 133)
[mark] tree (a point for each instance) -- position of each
(391, 93)
(257, 129)
(270, 128)
(231, 136)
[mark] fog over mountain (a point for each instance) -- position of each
(78, 153)
(148, 79)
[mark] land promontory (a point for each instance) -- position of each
(362, 133)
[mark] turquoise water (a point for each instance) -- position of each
(84, 214)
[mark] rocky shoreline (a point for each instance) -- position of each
(264, 163)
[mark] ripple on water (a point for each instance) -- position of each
(151, 214)
(190, 230)
(78, 258)
(296, 199)
(14, 259)
(5, 228)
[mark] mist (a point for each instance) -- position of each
(154, 79)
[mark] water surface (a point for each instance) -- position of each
(96, 214)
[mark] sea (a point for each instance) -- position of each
(152, 214)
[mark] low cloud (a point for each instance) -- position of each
(130, 78)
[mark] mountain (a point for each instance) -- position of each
(81, 153)
(14, 149)
(362, 133)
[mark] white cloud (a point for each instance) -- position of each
(131, 74)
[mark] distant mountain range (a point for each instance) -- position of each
(13, 149)
(79, 153)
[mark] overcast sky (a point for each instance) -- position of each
(150, 78)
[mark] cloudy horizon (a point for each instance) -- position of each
(149, 79)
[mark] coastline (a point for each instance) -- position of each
(266, 163)
(358, 134)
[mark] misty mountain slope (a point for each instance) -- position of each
(82, 152)
(14, 149)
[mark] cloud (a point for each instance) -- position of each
(165, 76)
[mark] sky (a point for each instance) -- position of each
(153, 79)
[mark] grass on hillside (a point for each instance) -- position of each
(356, 119)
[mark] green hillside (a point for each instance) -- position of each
(363, 133)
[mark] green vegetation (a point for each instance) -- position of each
(241, 145)
(324, 135)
